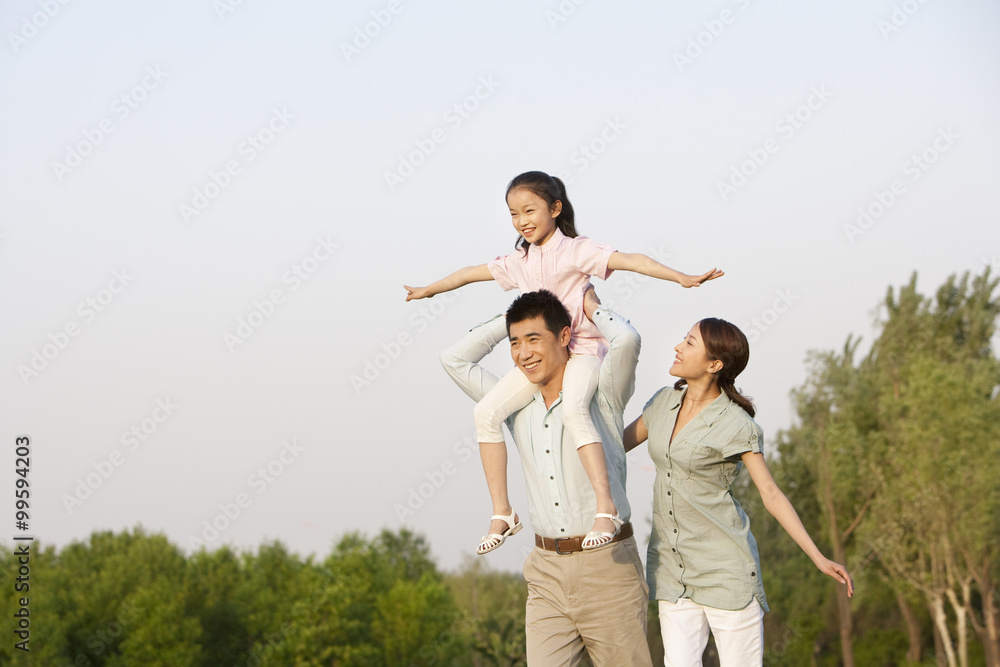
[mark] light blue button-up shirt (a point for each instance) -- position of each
(561, 500)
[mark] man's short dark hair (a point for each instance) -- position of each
(533, 304)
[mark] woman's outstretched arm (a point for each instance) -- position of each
(469, 274)
(647, 266)
(781, 509)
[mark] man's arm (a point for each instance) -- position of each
(461, 360)
(617, 380)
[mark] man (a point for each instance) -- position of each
(593, 600)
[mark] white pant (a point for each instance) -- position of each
(514, 391)
(739, 635)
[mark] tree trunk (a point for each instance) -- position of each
(960, 629)
(939, 657)
(844, 618)
(940, 619)
(989, 632)
(913, 633)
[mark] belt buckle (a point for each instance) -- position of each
(558, 551)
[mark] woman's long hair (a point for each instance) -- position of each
(551, 189)
(725, 342)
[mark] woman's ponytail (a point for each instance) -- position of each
(725, 342)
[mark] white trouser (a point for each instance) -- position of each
(739, 635)
(514, 391)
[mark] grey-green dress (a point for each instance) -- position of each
(701, 547)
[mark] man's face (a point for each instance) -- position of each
(540, 354)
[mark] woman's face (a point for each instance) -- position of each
(691, 361)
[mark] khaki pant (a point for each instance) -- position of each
(593, 601)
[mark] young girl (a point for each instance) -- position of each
(549, 254)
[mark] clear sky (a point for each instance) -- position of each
(208, 211)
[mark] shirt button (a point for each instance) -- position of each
(670, 512)
(753, 574)
(668, 493)
(675, 530)
(562, 530)
(674, 550)
(546, 426)
(551, 477)
(557, 505)
(681, 565)
(546, 451)
(668, 474)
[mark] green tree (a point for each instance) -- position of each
(933, 519)
(492, 609)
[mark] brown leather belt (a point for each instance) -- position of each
(568, 545)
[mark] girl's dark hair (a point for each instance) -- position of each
(724, 341)
(551, 189)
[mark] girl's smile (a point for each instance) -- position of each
(531, 216)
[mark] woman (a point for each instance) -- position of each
(702, 562)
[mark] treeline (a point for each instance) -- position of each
(132, 599)
(892, 463)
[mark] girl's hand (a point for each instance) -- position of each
(838, 572)
(417, 292)
(695, 281)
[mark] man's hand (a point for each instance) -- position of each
(591, 302)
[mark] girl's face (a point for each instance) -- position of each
(532, 217)
(691, 361)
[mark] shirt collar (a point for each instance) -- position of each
(538, 398)
(710, 412)
(553, 243)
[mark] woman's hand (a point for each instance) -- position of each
(837, 571)
(417, 292)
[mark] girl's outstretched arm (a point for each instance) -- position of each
(777, 503)
(636, 261)
(470, 274)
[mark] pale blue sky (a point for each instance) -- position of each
(335, 127)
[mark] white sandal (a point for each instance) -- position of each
(596, 539)
(495, 540)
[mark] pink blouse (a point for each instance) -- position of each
(563, 266)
